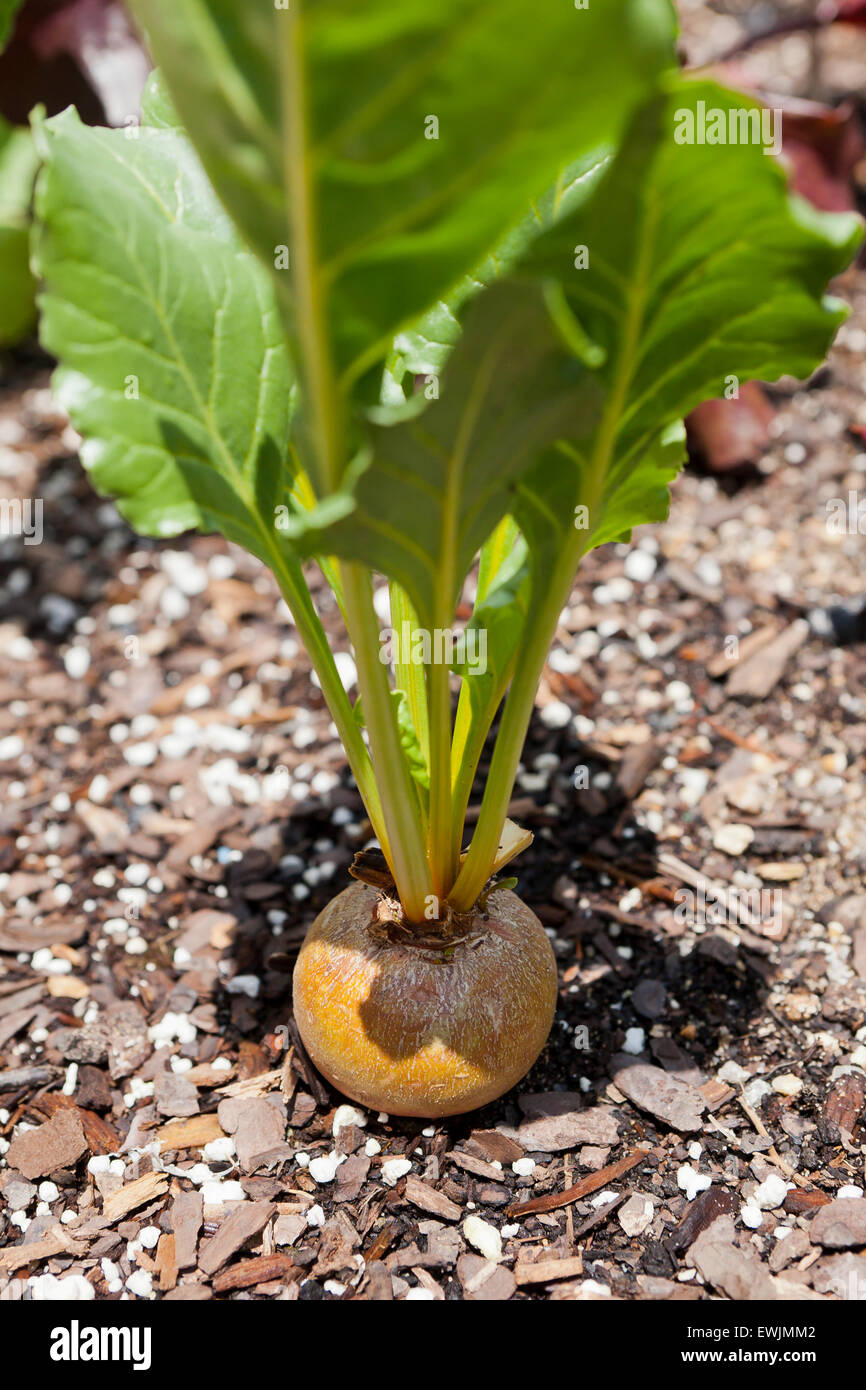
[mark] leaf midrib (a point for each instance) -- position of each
(629, 354)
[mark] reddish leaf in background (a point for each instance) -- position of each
(81, 52)
(726, 434)
(823, 146)
(99, 36)
(851, 12)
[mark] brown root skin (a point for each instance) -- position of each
(424, 1027)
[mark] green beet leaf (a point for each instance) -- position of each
(702, 272)
(18, 164)
(411, 139)
(174, 368)
(436, 479)
(8, 12)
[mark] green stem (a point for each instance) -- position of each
(409, 674)
(472, 723)
(293, 588)
(401, 811)
(466, 747)
(305, 497)
(545, 608)
(541, 623)
(443, 864)
(470, 735)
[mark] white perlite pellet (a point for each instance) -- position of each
(324, 1168)
(393, 1169)
(771, 1193)
(347, 1115)
(751, 1216)
(47, 1288)
(483, 1237)
(692, 1182)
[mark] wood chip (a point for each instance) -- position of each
(701, 1214)
(545, 1271)
(841, 1224)
(589, 1184)
(782, 873)
(351, 1177)
(57, 1242)
(727, 661)
(483, 1281)
(720, 1262)
(134, 1194)
(59, 1143)
(253, 1085)
(192, 1133)
(637, 763)
(377, 1283)
(18, 1077)
(199, 839)
(129, 1046)
(67, 987)
(186, 1220)
(256, 1271)
(382, 1242)
(208, 1077)
(107, 827)
(174, 1096)
(239, 1227)
(558, 1120)
(799, 1202)
(659, 1092)
(495, 1146)
(166, 1263)
(842, 1108)
(477, 1166)
(101, 1137)
(17, 937)
(715, 1094)
(756, 677)
(258, 1124)
(428, 1199)
(426, 1280)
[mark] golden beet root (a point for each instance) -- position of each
(421, 1031)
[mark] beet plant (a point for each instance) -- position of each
(398, 289)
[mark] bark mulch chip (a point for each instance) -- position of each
(840, 1225)
(559, 1120)
(59, 1143)
(233, 1234)
(663, 1094)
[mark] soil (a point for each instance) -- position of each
(175, 810)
